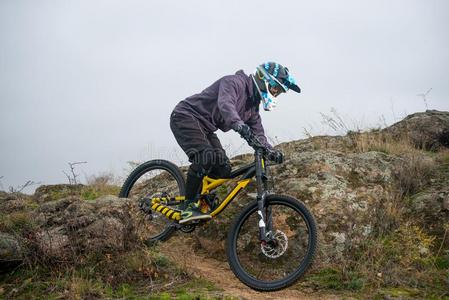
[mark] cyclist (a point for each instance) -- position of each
(232, 102)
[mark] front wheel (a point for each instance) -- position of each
(279, 264)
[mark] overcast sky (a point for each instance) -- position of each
(96, 81)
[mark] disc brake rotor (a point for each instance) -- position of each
(277, 247)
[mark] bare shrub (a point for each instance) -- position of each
(388, 214)
(72, 177)
(414, 173)
(99, 185)
(20, 188)
(335, 121)
(101, 180)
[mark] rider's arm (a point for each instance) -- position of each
(255, 122)
(227, 100)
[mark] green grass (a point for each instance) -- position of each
(442, 263)
(43, 283)
(334, 279)
(443, 157)
(197, 284)
(95, 191)
(18, 222)
(399, 293)
(222, 191)
(129, 275)
(196, 288)
(86, 192)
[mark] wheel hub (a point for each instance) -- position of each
(145, 203)
(277, 246)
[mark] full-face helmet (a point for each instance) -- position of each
(272, 79)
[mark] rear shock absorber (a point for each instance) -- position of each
(168, 212)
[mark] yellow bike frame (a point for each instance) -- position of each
(209, 184)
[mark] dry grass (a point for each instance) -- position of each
(415, 167)
(124, 275)
(414, 173)
(382, 142)
(99, 185)
(443, 157)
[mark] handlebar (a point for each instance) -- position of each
(256, 144)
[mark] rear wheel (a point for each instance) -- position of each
(151, 179)
(280, 263)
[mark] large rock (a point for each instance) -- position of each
(346, 193)
(11, 249)
(46, 193)
(71, 225)
(428, 130)
(10, 202)
(432, 209)
(354, 196)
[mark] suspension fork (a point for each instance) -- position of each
(268, 212)
(261, 195)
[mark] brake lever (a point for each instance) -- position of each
(255, 143)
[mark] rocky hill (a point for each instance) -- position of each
(381, 200)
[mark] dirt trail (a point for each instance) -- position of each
(218, 272)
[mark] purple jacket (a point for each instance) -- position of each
(227, 102)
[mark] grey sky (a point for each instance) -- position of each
(96, 80)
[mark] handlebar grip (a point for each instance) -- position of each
(255, 143)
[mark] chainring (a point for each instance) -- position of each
(187, 228)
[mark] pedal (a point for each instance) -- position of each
(196, 222)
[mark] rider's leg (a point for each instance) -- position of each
(192, 138)
(201, 163)
(201, 147)
(214, 165)
(212, 162)
(193, 183)
(221, 166)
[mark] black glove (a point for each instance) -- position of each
(276, 156)
(244, 131)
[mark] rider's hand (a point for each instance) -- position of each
(244, 130)
(276, 156)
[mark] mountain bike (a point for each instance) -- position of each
(270, 244)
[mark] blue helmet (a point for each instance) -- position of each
(271, 77)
